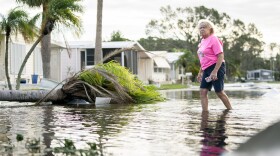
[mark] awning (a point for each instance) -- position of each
(161, 62)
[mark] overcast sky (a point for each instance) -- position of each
(131, 16)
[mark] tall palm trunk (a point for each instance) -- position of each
(25, 60)
(98, 40)
(46, 55)
(6, 61)
(45, 44)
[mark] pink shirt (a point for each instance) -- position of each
(208, 51)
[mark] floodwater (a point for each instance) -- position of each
(174, 127)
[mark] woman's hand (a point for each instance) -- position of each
(199, 77)
(213, 75)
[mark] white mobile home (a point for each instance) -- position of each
(160, 66)
(17, 51)
(176, 71)
(80, 55)
(157, 67)
(260, 75)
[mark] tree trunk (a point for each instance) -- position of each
(7, 63)
(46, 55)
(31, 96)
(98, 54)
(25, 60)
(46, 42)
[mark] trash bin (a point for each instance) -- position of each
(22, 80)
(34, 78)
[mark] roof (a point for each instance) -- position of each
(152, 54)
(57, 44)
(172, 57)
(106, 45)
(19, 39)
(158, 58)
(161, 62)
(258, 70)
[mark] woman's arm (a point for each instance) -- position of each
(199, 75)
(213, 75)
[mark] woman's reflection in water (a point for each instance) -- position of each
(213, 133)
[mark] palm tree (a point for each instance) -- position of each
(46, 40)
(56, 13)
(16, 22)
(98, 40)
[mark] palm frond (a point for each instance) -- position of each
(64, 12)
(17, 21)
(32, 3)
(133, 86)
(28, 28)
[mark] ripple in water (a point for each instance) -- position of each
(173, 127)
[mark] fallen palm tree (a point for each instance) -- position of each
(104, 80)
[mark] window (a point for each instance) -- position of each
(90, 57)
(158, 70)
(252, 75)
(257, 75)
(83, 60)
(87, 58)
(180, 70)
(17, 55)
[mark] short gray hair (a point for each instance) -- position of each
(208, 23)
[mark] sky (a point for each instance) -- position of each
(130, 17)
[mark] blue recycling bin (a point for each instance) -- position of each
(34, 79)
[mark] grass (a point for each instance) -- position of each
(274, 82)
(172, 86)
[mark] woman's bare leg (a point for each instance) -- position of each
(204, 99)
(223, 96)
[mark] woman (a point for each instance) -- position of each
(212, 70)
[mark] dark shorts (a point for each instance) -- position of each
(218, 84)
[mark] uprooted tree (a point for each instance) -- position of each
(103, 80)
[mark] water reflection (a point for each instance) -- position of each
(189, 94)
(213, 133)
(90, 124)
(4, 130)
(174, 127)
(48, 134)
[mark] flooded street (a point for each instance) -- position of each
(174, 127)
